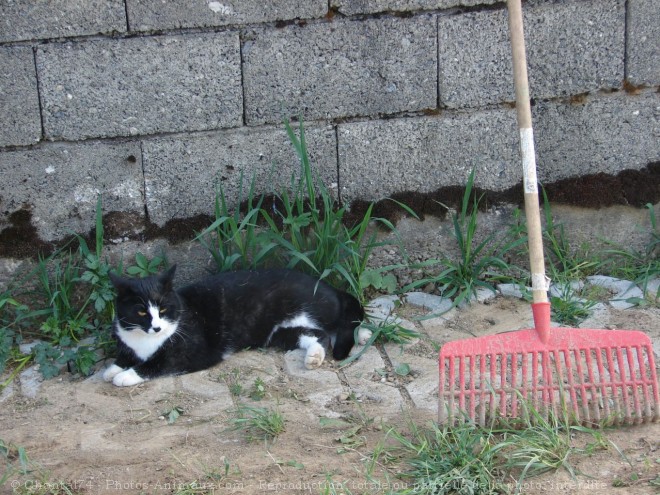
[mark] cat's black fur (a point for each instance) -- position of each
(222, 314)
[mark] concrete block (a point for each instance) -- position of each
(145, 15)
(328, 70)
(353, 7)
(19, 97)
(572, 47)
(140, 86)
(31, 20)
(643, 42)
(182, 172)
(605, 133)
(58, 184)
(379, 158)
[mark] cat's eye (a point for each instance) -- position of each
(163, 310)
(142, 313)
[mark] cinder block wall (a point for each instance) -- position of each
(153, 103)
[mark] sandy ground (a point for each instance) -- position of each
(97, 438)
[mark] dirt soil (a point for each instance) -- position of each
(94, 437)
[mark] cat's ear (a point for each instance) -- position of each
(167, 277)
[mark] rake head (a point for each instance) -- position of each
(597, 376)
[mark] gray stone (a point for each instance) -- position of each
(565, 289)
(643, 42)
(475, 53)
(58, 184)
(140, 86)
(604, 134)
(175, 166)
(484, 295)
(202, 385)
(30, 20)
(384, 304)
(653, 289)
(148, 15)
(429, 302)
(31, 381)
(423, 390)
(294, 364)
(327, 70)
(623, 290)
(379, 158)
(26, 347)
(352, 7)
(19, 99)
(510, 290)
(7, 392)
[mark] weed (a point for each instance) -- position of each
(173, 414)
(235, 240)
(231, 379)
(444, 460)
(144, 267)
(258, 391)
(639, 266)
(568, 308)
(545, 443)
(331, 487)
(258, 423)
(383, 330)
(565, 263)
(313, 237)
(479, 264)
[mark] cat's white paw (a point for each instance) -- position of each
(364, 335)
(314, 356)
(111, 371)
(127, 378)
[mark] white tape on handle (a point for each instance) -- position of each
(540, 282)
(528, 160)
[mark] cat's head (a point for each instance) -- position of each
(148, 305)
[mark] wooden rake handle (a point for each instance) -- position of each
(524, 114)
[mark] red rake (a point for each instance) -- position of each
(597, 376)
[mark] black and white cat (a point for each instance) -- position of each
(162, 331)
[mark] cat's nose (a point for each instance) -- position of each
(156, 329)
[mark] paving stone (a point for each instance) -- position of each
(19, 97)
(138, 86)
(294, 362)
(201, 384)
(485, 295)
(359, 379)
(326, 70)
(423, 390)
(623, 290)
(147, 15)
(7, 392)
(653, 288)
(31, 381)
(31, 20)
(510, 290)
(384, 304)
(429, 302)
